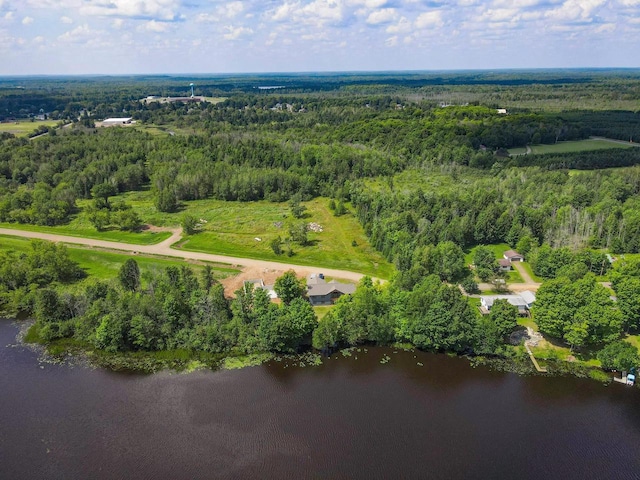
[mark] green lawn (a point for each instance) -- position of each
(498, 250)
(569, 147)
(232, 228)
(23, 128)
(322, 311)
(105, 264)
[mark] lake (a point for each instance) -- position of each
(352, 417)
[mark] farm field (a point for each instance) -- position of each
(23, 128)
(570, 147)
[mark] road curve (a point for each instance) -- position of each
(164, 248)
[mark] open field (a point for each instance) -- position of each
(80, 227)
(105, 265)
(22, 128)
(570, 147)
(233, 228)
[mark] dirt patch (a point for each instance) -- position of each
(268, 276)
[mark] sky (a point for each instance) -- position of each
(213, 36)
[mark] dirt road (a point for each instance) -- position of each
(164, 248)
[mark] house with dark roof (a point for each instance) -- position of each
(321, 292)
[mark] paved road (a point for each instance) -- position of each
(164, 248)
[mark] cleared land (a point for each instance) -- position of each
(233, 229)
(80, 227)
(570, 147)
(23, 128)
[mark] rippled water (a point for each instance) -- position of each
(352, 417)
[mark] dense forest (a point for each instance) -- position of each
(422, 161)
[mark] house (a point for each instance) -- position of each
(513, 256)
(501, 111)
(504, 264)
(522, 301)
(321, 292)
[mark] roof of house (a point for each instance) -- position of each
(528, 296)
(515, 300)
(317, 286)
(504, 262)
(117, 120)
(512, 253)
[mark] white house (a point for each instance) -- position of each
(522, 301)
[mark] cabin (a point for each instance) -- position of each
(504, 264)
(513, 256)
(321, 292)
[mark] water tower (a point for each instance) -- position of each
(191, 85)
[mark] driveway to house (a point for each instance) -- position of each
(164, 248)
(524, 274)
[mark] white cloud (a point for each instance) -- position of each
(117, 23)
(323, 11)
(384, 15)
(66, 20)
(149, 9)
(80, 34)
(230, 10)
(233, 33)
(391, 41)
(154, 27)
(8, 16)
(630, 3)
(285, 11)
(429, 19)
(27, 21)
(367, 3)
(575, 10)
(403, 26)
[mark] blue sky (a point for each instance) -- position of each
(212, 36)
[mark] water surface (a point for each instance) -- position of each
(352, 417)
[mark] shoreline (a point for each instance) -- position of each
(73, 353)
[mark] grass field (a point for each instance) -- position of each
(24, 127)
(80, 227)
(232, 228)
(569, 147)
(105, 265)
